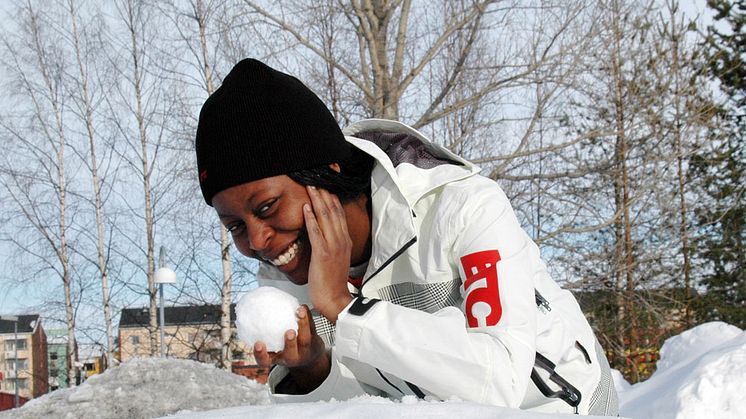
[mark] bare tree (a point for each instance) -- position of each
(379, 58)
(84, 98)
(194, 24)
(141, 109)
(692, 110)
(37, 182)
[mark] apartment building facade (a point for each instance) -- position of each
(191, 332)
(57, 358)
(23, 356)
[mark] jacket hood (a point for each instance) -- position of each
(408, 167)
(407, 154)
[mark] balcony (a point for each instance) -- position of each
(11, 354)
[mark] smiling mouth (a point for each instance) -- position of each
(288, 255)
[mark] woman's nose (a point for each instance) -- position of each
(259, 234)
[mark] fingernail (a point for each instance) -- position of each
(306, 207)
(311, 187)
(290, 334)
(301, 312)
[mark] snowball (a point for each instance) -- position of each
(265, 314)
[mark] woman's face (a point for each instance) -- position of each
(265, 218)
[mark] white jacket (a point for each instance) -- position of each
(466, 308)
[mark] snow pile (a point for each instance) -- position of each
(370, 407)
(146, 388)
(265, 314)
(701, 374)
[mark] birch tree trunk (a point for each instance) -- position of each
(98, 203)
(43, 169)
(63, 250)
(226, 331)
(132, 12)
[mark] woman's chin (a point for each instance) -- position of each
(295, 271)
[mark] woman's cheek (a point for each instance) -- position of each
(243, 246)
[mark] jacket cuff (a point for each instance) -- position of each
(351, 324)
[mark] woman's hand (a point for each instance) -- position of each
(330, 253)
(304, 354)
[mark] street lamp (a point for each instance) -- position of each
(163, 275)
(14, 319)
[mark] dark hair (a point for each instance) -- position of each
(350, 182)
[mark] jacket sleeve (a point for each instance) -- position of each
(482, 351)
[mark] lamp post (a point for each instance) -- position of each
(163, 275)
(14, 319)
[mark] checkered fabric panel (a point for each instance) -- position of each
(424, 297)
(604, 401)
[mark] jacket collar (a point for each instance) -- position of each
(395, 190)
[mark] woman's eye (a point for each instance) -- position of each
(234, 228)
(262, 210)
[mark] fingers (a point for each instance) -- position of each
(306, 327)
(312, 227)
(297, 344)
(262, 357)
(290, 354)
(329, 214)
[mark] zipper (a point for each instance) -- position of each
(389, 260)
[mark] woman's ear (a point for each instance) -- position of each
(335, 167)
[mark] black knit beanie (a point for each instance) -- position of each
(262, 123)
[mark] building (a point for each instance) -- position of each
(57, 358)
(23, 357)
(191, 332)
(8, 401)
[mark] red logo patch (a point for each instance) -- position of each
(483, 306)
(203, 176)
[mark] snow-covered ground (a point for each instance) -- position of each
(701, 374)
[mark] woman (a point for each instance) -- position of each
(421, 279)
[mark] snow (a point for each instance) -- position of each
(146, 388)
(700, 374)
(265, 314)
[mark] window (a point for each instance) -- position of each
(53, 356)
(10, 385)
(238, 355)
(9, 344)
(10, 364)
(135, 339)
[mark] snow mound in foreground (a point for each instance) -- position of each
(700, 375)
(147, 388)
(373, 407)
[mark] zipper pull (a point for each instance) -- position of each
(541, 302)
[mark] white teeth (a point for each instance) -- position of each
(286, 257)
